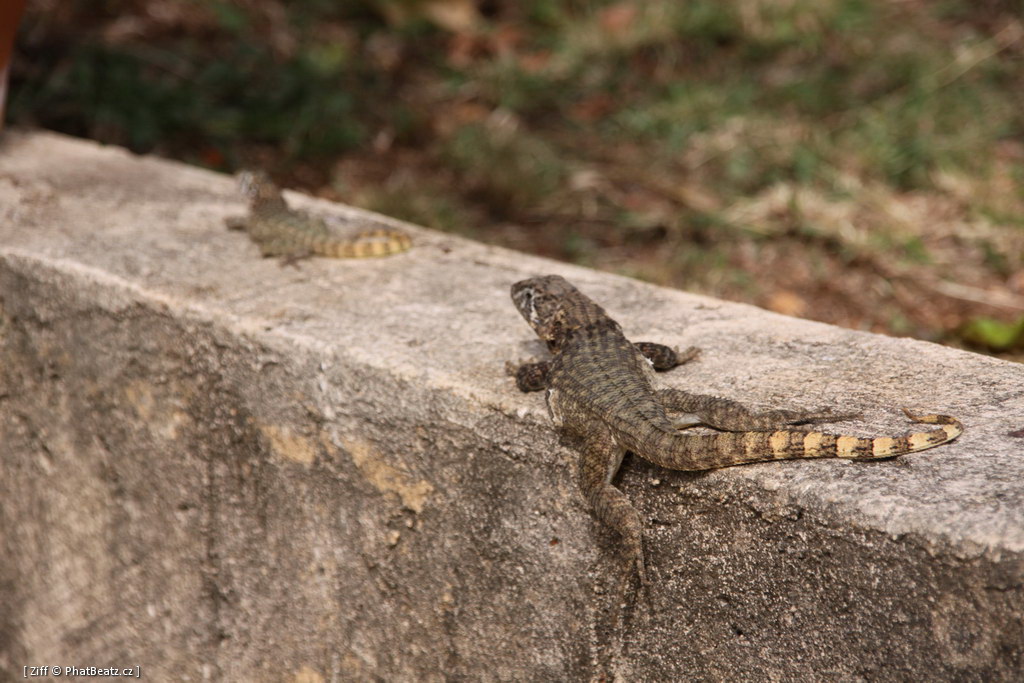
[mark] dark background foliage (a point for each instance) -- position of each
(856, 162)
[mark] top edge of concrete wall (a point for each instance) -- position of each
(440, 315)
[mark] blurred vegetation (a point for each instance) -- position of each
(851, 161)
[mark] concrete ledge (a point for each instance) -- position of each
(216, 468)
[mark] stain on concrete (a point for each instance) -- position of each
(307, 675)
(385, 478)
(289, 445)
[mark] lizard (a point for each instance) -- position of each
(293, 235)
(601, 398)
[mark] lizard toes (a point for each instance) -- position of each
(512, 368)
(686, 356)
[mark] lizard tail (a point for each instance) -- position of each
(382, 242)
(711, 451)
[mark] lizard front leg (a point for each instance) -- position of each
(294, 257)
(600, 458)
(286, 249)
(534, 376)
(665, 357)
(236, 223)
(731, 416)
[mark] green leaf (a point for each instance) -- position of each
(994, 334)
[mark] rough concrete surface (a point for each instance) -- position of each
(217, 468)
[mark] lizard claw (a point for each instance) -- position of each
(641, 571)
(511, 368)
(644, 581)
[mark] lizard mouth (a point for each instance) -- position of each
(522, 293)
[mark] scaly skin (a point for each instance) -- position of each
(600, 397)
(280, 231)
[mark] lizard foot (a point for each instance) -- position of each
(235, 222)
(639, 575)
(529, 376)
(686, 356)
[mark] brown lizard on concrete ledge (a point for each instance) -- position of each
(600, 397)
(281, 231)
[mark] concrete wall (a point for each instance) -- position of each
(217, 468)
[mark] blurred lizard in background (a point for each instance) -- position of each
(294, 235)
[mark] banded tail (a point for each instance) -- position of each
(369, 244)
(711, 451)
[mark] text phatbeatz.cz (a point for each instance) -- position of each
(83, 671)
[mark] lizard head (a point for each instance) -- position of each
(258, 188)
(552, 307)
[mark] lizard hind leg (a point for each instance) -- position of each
(599, 460)
(731, 416)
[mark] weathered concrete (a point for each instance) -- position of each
(218, 468)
